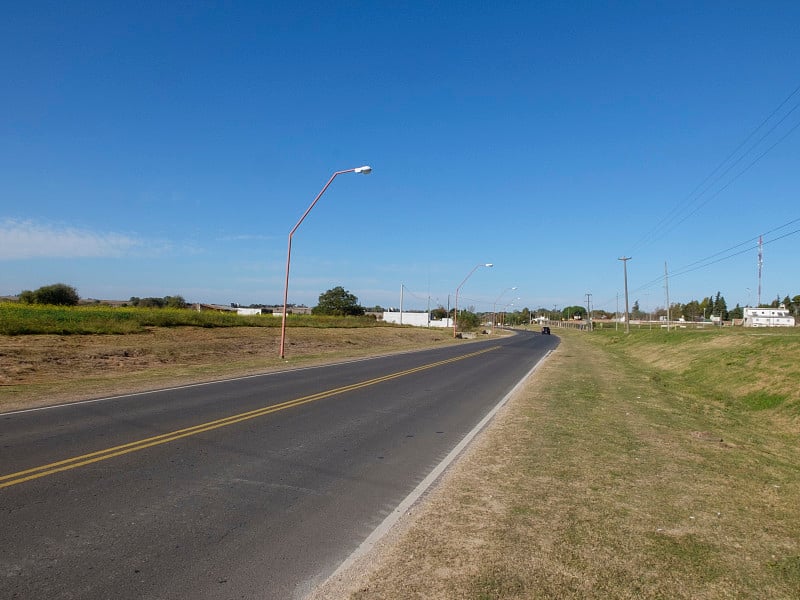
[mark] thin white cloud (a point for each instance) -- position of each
(27, 239)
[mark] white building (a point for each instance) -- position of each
(768, 317)
(415, 318)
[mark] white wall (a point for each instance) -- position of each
(415, 318)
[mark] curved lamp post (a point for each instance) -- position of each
(366, 170)
(494, 308)
(455, 313)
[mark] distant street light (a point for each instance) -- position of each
(365, 170)
(494, 308)
(506, 307)
(455, 312)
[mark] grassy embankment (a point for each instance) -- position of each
(655, 465)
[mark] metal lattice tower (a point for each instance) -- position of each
(760, 264)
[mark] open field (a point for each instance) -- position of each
(28, 319)
(649, 466)
(36, 370)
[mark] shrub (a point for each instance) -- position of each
(58, 294)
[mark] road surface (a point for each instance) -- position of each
(251, 488)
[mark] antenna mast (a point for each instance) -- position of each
(666, 287)
(760, 264)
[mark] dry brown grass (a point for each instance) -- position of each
(597, 483)
(45, 369)
(632, 469)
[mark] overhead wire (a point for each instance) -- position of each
(692, 202)
(721, 256)
(667, 224)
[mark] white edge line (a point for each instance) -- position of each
(381, 530)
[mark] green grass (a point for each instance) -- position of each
(27, 319)
(731, 369)
(651, 465)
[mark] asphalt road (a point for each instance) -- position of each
(251, 488)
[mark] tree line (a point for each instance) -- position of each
(715, 306)
(338, 301)
(61, 294)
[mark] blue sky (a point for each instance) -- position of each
(165, 148)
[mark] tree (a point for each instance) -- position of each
(58, 294)
(692, 310)
(720, 307)
(151, 303)
(468, 320)
(736, 313)
(572, 312)
(439, 313)
(174, 301)
(338, 302)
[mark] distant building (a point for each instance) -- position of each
(415, 318)
(768, 317)
(200, 307)
(291, 309)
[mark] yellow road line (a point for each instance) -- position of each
(164, 438)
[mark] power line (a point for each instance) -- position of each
(707, 262)
(666, 225)
(718, 257)
(742, 172)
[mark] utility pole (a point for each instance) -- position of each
(589, 310)
(616, 321)
(666, 287)
(625, 260)
(429, 307)
(401, 303)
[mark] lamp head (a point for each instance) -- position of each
(488, 265)
(366, 170)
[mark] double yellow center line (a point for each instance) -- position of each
(93, 457)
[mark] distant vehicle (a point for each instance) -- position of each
(545, 330)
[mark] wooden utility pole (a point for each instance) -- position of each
(589, 310)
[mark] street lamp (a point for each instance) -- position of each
(365, 170)
(455, 313)
(494, 308)
(506, 307)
